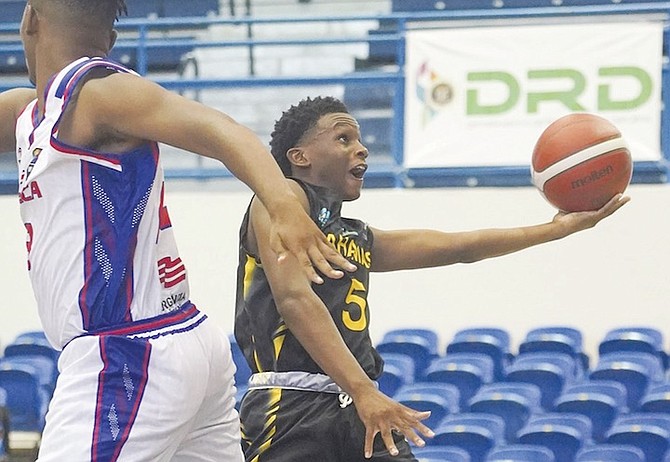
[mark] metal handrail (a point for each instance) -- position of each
(402, 21)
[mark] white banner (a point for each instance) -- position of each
(481, 96)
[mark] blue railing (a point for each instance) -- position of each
(138, 37)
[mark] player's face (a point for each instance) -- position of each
(337, 158)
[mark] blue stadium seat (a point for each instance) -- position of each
(180, 8)
(34, 348)
(477, 433)
(520, 453)
(416, 345)
(649, 432)
(163, 56)
(32, 336)
(26, 401)
(159, 58)
(431, 336)
(491, 341)
(441, 454)
(468, 371)
(11, 11)
(45, 368)
(515, 402)
(171, 8)
(610, 453)
(144, 8)
(599, 400)
(382, 51)
(644, 339)
(36, 351)
(12, 59)
(439, 5)
(441, 399)
(551, 371)
(635, 370)
(376, 133)
(562, 339)
(364, 97)
(657, 399)
(563, 433)
(398, 371)
(4, 425)
(602, 2)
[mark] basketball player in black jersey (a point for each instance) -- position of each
(312, 395)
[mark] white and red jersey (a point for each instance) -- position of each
(101, 252)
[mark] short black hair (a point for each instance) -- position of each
(298, 120)
(102, 12)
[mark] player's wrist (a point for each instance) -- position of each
(361, 389)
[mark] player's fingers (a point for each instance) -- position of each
(329, 254)
(308, 269)
(387, 436)
(277, 247)
(318, 260)
(425, 430)
(301, 255)
(617, 202)
(369, 441)
(614, 204)
(414, 422)
(412, 436)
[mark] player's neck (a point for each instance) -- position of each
(54, 58)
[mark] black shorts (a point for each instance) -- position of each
(282, 425)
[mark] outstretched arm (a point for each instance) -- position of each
(12, 103)
(148, 112)
(411, 249)
(309, 320)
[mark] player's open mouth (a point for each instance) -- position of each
(359, 171)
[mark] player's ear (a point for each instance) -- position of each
(30, 20)
(112, 38)
(296, 156)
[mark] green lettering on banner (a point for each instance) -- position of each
(605, 100)
(474, 107)
(569, 98)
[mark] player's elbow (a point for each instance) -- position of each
(293, 303)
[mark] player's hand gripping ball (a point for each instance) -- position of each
(580, 162)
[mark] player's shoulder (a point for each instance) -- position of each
(17, 98)
(105, 85)
(297, 190)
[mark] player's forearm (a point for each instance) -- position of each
(490, 243)
(415, 249)
(310, 322)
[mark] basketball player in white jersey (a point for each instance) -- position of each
(144, 376)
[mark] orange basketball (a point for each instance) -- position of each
(580, 162)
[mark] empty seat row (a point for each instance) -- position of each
(161, 55)
(558, 348)
(440, 5)
(534, 453)
(28, 374)
(557, 437)
(12, 10)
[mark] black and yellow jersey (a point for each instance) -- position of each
(267, 343)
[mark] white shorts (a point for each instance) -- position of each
(156, 390)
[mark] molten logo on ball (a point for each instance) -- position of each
(580, 162)
(594, 176)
